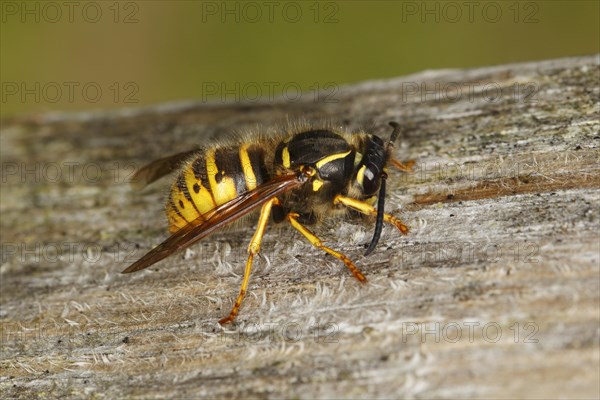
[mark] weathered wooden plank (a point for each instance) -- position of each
(495, 292)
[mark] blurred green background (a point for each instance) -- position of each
(89, 55)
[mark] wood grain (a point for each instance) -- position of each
(494, 293)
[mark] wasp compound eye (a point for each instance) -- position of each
(371, 179)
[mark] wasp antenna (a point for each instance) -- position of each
(395, 132)
(379, 220)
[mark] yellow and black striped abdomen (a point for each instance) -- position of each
(211, 178)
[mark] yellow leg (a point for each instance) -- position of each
(404, 167)
(293, 218)
(253, 249)
(368, 209)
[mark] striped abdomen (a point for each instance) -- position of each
(211, 178)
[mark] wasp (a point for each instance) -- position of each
(295, 177)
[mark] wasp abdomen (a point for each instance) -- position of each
(211, 178)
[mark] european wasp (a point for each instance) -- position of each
(296, 177)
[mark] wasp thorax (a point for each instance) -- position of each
(328, 153)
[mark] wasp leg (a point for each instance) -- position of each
(253, 249)
(368, 209)
(404, 167)
(293, 218)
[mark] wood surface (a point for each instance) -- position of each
(494, 292)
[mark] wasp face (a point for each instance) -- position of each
(371, 166)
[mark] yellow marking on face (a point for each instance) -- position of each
(317, 183)
(247, 167)
(203, 200)
(225, 189)
(360, 174)
(285, 156)
(331, 158)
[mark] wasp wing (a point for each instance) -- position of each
(159, 168)
(222, 215)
